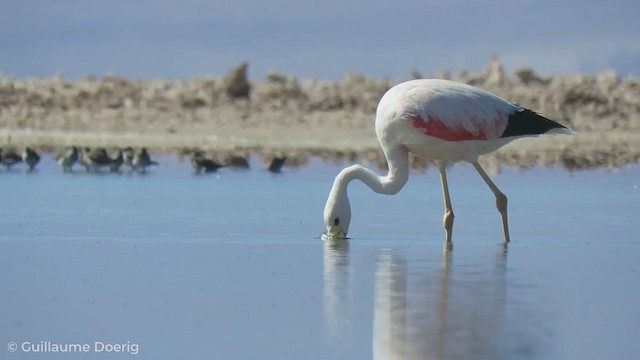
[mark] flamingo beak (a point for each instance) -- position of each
(334, 232)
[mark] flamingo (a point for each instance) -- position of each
(441, 120)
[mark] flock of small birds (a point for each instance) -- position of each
(96, 159)
(11, 158)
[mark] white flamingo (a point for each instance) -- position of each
(441, 120)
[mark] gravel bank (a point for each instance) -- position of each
(307, 118)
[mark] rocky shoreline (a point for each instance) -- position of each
(302, 119)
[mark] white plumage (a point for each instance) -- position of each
(455, 104)
(441, 120)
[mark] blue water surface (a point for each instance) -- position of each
(231, 266)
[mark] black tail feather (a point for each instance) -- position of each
(527, 122)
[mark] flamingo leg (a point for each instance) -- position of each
(447, 221)
(501, 199)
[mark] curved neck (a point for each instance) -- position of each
(396, 178)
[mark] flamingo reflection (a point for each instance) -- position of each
(457, 313)
(422, 311)
(337, 287)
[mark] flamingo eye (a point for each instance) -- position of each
(336, 221)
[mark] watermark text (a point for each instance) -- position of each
(46, 346)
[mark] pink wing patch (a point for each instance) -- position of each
(436, 128)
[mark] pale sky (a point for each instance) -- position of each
(314, 39)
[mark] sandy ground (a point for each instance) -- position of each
(280, 115)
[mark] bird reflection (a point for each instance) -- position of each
(337, 287)
(457, 313)
(390, 308)
(422, 312)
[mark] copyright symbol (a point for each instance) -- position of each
(12, 346)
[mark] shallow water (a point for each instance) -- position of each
(230, 266)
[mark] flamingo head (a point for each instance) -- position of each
(337, 216)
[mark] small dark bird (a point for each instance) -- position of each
(94, 159)
(10, 158)
(30, 157)
(201, 163)
(276, 164)
(237, 162)
(127, 156)
(116, 162)
(68, 159)
(142, 160)
(84, 160)
(98, 158)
